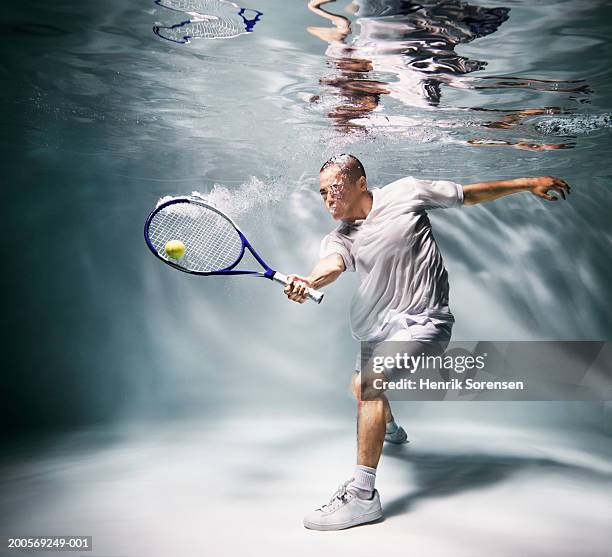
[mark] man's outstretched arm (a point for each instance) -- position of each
(326, 271)
(541, 186)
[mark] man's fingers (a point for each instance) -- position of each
(561, 183)
(546, 196)
(292, 291)
(296, 288)
(296, 292)
(292, 285)
(294, 297)
(289, 286)
(551, 188)
(562, 190)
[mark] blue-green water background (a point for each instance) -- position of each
(100, 118)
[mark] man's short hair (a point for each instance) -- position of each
(350, 165)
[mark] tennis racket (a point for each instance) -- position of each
(210, 19)
(213, 243)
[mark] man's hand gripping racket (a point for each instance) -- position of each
(197, 238)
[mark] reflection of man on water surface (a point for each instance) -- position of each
(414, 42)
(406, 50)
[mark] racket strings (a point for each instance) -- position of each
(209, 19)
(211, 241)
(214, 28)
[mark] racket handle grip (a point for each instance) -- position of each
(312, 294)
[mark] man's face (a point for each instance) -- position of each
(337, 191)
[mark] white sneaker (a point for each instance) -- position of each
(398, 437)
(344, 510)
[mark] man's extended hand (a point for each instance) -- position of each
(296, 288)
(541, 185)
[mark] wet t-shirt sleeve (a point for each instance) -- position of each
(336, 243)
(422, 195)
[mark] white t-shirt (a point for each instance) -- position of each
(403, 282)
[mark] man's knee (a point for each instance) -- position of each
(363, 387)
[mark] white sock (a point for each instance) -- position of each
(391, 427)
(363, 484)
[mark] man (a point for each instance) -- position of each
(385, 235)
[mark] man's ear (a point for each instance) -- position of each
(362, 183)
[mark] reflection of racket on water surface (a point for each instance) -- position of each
(209, 19)
(204, 241)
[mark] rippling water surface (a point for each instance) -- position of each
(108, 106)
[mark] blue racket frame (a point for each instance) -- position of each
(268, 271)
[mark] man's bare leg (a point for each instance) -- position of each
(371, 427)
(356, 501)
(372, 418)
(370, 431)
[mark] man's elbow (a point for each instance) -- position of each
(334, 269)
(339, 265)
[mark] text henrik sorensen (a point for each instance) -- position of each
(425, 384)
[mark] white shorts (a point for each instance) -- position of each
(428, 333)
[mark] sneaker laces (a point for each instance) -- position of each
(339, 496)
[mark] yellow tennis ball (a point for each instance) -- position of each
(175, 249)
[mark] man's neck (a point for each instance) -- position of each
(363, 208)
